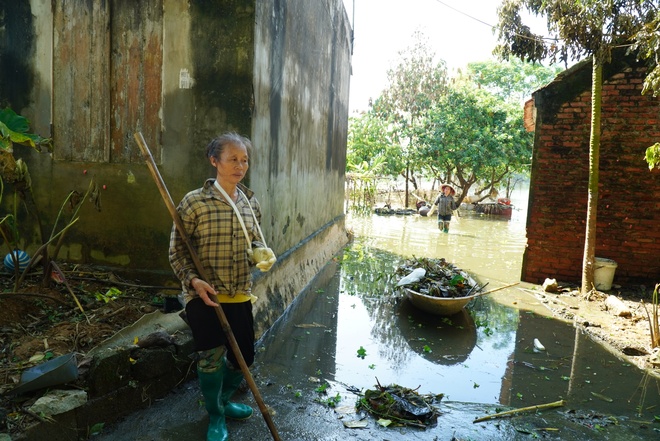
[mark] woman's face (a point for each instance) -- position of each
(447, 191)
(233, 164)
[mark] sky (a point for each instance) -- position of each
(459, 31)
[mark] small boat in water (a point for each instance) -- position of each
(439, 305)
(445, 305)
(439, 287)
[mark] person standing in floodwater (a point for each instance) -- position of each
(221, 219)
(446, 205)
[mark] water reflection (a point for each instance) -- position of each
(441, 340)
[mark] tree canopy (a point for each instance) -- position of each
(462, 130)
(511, 81)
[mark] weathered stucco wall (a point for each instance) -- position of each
(302, 55)
(628, 193)
(236, 65)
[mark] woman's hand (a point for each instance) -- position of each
(204, 291)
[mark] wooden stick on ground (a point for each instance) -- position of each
(202, 273)
(522, 409)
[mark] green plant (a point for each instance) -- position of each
(15, 129)
(654, 324)
(652, 156)
(322, 388)
(331, 401)
(110, 295)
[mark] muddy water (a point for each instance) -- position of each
(357, 330)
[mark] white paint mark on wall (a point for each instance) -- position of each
(185, 80)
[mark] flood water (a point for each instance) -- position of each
(355, 329)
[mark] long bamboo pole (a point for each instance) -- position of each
(202, 273)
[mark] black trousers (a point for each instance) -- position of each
(208, 333)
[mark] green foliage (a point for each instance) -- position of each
(475, 136)
(513, 80)
(331, 401)
(577, 28)
(653, 156)
(370, 145)
(96, 429)
(14, 129)
(647, 46)
(109, 296)
(322, 388)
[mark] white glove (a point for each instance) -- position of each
(264, 258)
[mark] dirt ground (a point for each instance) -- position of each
(617, 318)
(72, 315)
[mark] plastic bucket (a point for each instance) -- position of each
(604, 273)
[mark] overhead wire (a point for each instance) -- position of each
(490, 25)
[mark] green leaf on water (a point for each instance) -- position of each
(96, 428)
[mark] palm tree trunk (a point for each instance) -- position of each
(594, 159)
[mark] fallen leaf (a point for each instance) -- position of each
(36, 357)
(355, 424)
(345, 410)
(602, 397)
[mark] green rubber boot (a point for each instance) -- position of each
(446, 228)
(232, 379)
(211, 385)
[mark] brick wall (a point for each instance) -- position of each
(628, 220)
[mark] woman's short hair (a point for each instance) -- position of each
(215, 148)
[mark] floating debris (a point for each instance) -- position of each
(401, 406)
(442, 278)
(415, 276)
(538, 345)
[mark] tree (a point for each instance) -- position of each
(415, 84)
(369, 142)
(471, 135)
(464, 135)
(579, 28)
(368, 156)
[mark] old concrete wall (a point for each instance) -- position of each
(628, 208)
(302, 55)
(224, 65)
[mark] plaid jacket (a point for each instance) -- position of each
(217, 236)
